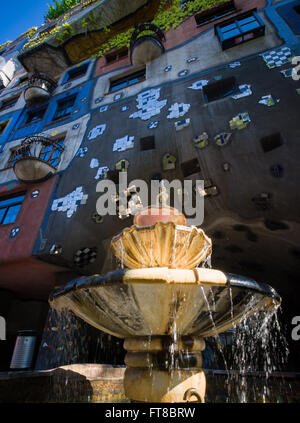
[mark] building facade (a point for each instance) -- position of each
(163, 90)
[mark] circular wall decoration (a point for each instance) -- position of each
(98, 100)
(184, 72)
(14, 232)
(97, 218)
(85, 256)
(35, 193)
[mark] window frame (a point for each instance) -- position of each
(65, 115)
(139, 74)
(11, 205)
(240, 36)
(68, 78)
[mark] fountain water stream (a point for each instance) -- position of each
(164, 304)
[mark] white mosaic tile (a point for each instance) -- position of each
(198, 85)
(148, 104)
(177, 110)
(122, 144)
(94, 163)
(245, 91)
(70, 202)
(101, 173)
(96, 131)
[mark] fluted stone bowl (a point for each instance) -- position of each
(162, 302)
(161, 245)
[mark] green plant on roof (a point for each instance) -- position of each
(59, 8)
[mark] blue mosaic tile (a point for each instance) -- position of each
(14, 232)
(153, 125)
(103, 109)
(118, 96)
(76, 126)
(98, 100)
(168, 68)
(184, 72)
(124, 108)
(35, 193)
(192, 59)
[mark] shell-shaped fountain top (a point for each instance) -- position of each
(162, 244)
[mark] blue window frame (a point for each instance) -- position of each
(125, 81)
(10, 207)
(64, 107)
(76, 72)
(52, 153)
(34, 115)
(240, 29)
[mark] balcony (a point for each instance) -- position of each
(146, 43)
(37, 158)
(39, 90)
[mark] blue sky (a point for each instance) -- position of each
(19, 15)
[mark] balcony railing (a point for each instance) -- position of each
(146, 43)
(39, 90)
(37, 158)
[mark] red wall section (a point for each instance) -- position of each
(29, 219)
(184, 32)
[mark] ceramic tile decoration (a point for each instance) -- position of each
(277, 58)
(192, 59)
(124, 108)
(75, 111)
(97, 131)
(169, 162)
(184, 72)
(240, 121)
(76, 126)
(35, 193)
(276, 170)
(234, 65)
(268, 100)
(98, 100)
(153, 125)
(222, 139)
(68, 85)
(201, 141)
(94, 163)
(103, 109)
(118, 96)
(14, 232)
(148, 104)
(245, 91)
(198, 85)
(122, 144)
(85, 256)
(288, 73)
(168, 68)
(177, 110)
(83, 100)
(81, 152)
(182, 124)
(70, 202)
(102, 172)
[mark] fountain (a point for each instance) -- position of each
(164, 304)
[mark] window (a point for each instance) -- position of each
(220, 89)
(3, 125)
(271, 142)
(239, 29)
(64, 107)
(34, 115)
(215, 13)
(147, 143)
(125, 81)
(52, 153)
(6, 104)
(190, 167)
(76, 72)
(10, 207)
(117, 55)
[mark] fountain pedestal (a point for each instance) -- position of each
(164, 369)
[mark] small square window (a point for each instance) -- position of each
(10, 207)
(220, 89)
(64, 107)
(127, 80)
(271, 142)
(34, 115)
(76, 72)
(116, 55)
(7, 104)
(3, 125)
(147, 143)
(190, 167)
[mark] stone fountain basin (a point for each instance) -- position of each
(163, 301)
(164, 244)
